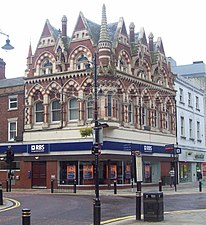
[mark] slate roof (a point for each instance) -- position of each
(18, 81)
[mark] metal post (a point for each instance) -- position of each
(115, 187)
(138, 201)
(160, 185)
(97, 203)
(52, 186)
(200, 185)
(175, 169)
(75, 186)
(26, 213)
(1, 194)
(7, 185)
(10, 166)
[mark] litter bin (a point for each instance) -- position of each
(153, 206)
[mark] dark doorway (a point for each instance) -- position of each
(38, 174)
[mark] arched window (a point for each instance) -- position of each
(89, 107)
(82, 60)
(156, 118)
(39, 112)
(46, 67)
(73, 109)
(144, 116)
(109, 105)
(55, 111)
(130, 113)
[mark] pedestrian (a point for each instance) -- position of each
(199, 175)
(172, 175)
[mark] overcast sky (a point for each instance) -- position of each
(180, 24)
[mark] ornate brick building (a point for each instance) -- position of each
(135, 98)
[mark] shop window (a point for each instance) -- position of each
(14, 165)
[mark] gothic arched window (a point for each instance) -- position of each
(46, 67)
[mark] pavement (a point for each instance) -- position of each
(183, 217)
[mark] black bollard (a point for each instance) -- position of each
(200, 185)
(1, 194)
(75, 186)
(138, 200)
(115, 187)
(26, 214)
(7, 185)
(160, 185)
(52, 186)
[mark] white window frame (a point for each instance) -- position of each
(130, 113)
(189, 99)
(35, 112)
(182, 126)
(12, 133)
(89, 108)
(13, 102)
(197, 102)
(198, 130)
(55, 111)
(156, 118)
(190, 129)
(73, 110)
(181, 95)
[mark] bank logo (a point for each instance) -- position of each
(37, 148)
(148, 149)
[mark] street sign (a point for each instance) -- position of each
(169, 147)
(178, 150)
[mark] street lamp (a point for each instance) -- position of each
(97, 148)
(7, 46)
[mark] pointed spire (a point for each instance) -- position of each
(30, 50)
(104, 35)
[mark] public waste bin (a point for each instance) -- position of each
(153, 206)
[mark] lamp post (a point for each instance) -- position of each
(96, 148)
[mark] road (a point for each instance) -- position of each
(63, 209)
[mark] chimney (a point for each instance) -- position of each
(2, 69)
(64, 26)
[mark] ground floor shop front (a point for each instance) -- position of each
(35, 166)
(38, 173)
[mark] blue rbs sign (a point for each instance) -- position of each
(38, 148)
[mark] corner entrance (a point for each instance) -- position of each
(39, 174)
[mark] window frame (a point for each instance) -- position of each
(55, 110)
(12, 137)
(35, 112)
(72, 109)
(9, 99)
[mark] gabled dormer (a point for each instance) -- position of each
(84, 30)
(121, 35)
(48, 37)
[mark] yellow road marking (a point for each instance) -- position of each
(171, 212)
(15, 202)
